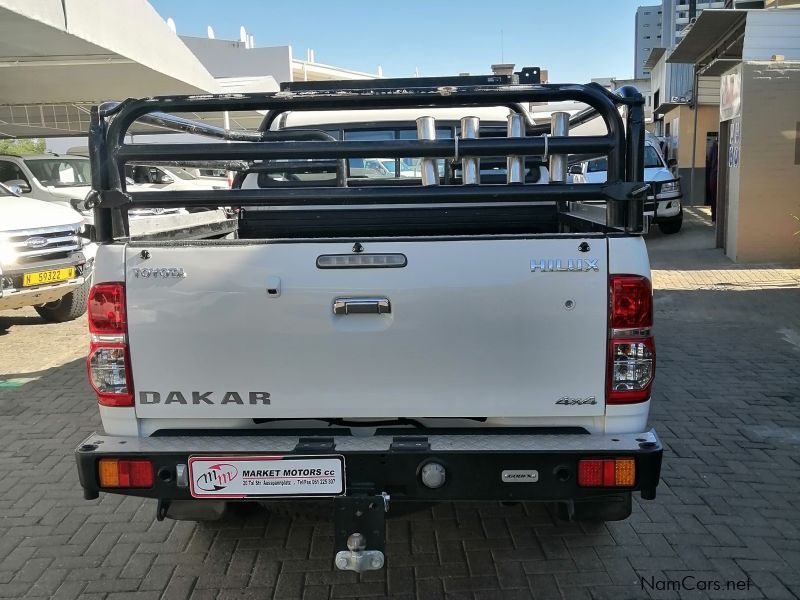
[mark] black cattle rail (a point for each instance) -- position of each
(623, 145)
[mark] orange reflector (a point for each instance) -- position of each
(109, 475)
(607, 472)
(123, 473)
(625, 472)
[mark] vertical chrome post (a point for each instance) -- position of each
(470, 165)
(426, 130)
(515, 165)
(559, 126)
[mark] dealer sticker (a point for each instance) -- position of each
(259, 476)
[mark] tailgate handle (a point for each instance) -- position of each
(361, 306)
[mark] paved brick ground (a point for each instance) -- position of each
(726, 404)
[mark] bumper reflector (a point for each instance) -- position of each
(123, 473)
(607, 472)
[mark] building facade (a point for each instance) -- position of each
(648, 36)
(678, 14)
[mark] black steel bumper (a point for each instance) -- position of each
(474, 462)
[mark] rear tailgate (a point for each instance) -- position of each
(473, 330)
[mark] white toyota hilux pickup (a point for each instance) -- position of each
(370, 342)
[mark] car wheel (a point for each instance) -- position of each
(68, 308)
(672, 225)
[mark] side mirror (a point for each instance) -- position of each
(576, 170)
(21, 185)
(672, 162)
(165, 179)
(129, 181)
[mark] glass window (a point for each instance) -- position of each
(597, 165)
(10, 171)
(651, 158)
(60, 172)
(370, 168)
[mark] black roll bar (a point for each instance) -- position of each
(619, 193)
(109, 152)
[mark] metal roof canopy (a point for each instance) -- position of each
(59, 58)
(653, 58)
(714, 41)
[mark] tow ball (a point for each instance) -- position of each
(360, 525)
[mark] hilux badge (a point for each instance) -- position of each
(546, 265)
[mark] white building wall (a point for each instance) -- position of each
(227, 58)
(769, 32)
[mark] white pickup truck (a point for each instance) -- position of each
(44, 261)
(65, 180)
(371, 343)
(663, 206)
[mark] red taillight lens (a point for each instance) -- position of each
(109, 361)
(106, 308)
(125, 473)
(631, 350)
(631, 302)
(607, 472)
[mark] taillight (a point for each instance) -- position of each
(125, 473)
(106, 309)
(607, 472)
(631, 302)
(631, 349)
(109, 363)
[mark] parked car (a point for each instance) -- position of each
(65, 180)
(61, 179)
(664, 207)
(169, 177)
(370, 341)
(44, 261)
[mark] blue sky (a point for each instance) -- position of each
(576, 39)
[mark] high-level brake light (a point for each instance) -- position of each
(108, 362)
(631, 350)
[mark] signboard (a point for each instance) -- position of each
(734, 144)
(730, 95)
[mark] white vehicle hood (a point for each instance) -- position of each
(651, 174)
(27, 213)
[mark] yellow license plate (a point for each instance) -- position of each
(45, 277)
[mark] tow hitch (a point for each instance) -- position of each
(360, 538)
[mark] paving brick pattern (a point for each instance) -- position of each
(726, 404)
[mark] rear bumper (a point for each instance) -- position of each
(474, 463)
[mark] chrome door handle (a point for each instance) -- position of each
(361, 306)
